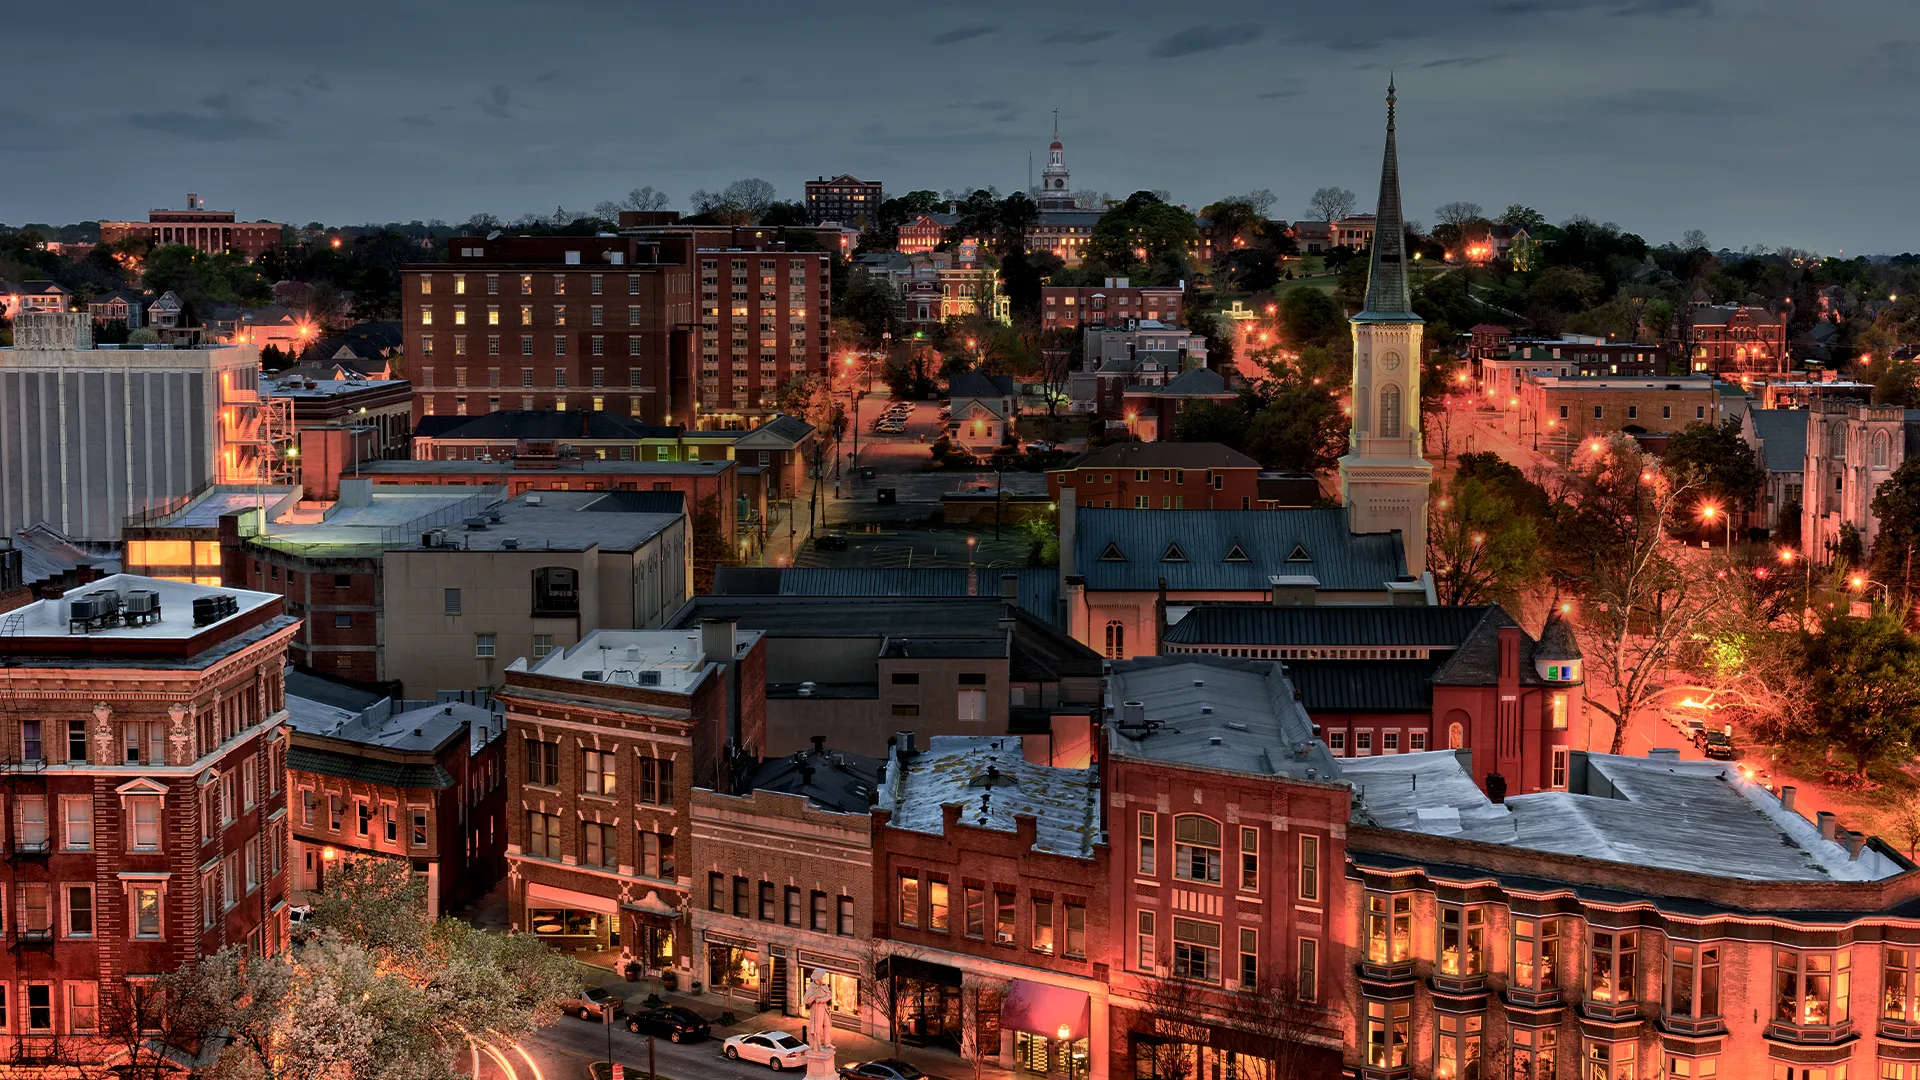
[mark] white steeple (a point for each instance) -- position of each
(1055, 182)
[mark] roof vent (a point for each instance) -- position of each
(593, 676)
(511, 543)
(1237, 725)
(417, 732)
(477, 523)
(533, 500)
(650, 677)
(1206, 710)
(1213, 740)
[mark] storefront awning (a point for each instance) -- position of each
(1040, 1009)
(568, 898)
(652, 906)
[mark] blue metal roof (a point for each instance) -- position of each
(1335, 627)
(1137, 541)
(1783, 438)
(1039, 588)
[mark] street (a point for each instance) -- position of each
(564, 1050)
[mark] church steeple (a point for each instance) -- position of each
(1387, 274)
(1055, 193)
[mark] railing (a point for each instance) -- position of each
(162, 509)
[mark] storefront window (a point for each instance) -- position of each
(1536, 953)
(732, 966)
(1389, 928)
(1610, 968)
(564, 922)
(1387, 1026)
(1463, 941)
(846, 994)
(1811, 990)
(1459, 1053)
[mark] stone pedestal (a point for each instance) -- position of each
(820, 1063)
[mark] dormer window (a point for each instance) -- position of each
(1236, 553)
(1299, 554)
(1112, 553)
(1174, 554)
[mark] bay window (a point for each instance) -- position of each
(1389, 928)
(1533, 1052)
(1897, 991)
(1387, 1025)
(1610, 1061)
(1463, 941)
(1693, 982)
(1610, 967)
(1459, 1052)
(1811, 990)
(1536, 954)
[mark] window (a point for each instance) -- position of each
(1003, 918)
(1249, 958)
(1610, 1061)
(1043, 926)
(1387, 1025)
(1536, 954)
(1075, 947)
(900, 709)
(1879, 449)
(596, 844)
(1196, 848)
(146, 913)
(483, 645)
(1116, 640)
(542, 645)
(1558, 777)
(1249, 859)
(144, 828)
(543, 763)
(976, 911)
(1337, 743)
(972, 705)
(342, 622)
(740, 902)
(1680, 1068)
(1563, 411)
(1389, 928)
(902, 678)
(817, 918)
(1389, 412)
(1459, 1050)
(656, 781)
(656, 855)
(909, 908)
(76, 822)
(1306, 977)
(79, 910)
(451, 601)
(1363, 742)
(30, 748)
(792, 906)
(1610, 967)
(845, 928)
(1666, 412)
(937, 907)
(1693, 982)
(32, 835)
(335, 808)
(77, 741)
(249, 784)
(597, 767)
(1147, 947)
(1196, 950)
(766, 901)
(1463, 941)
(83, 1007)
(364, 816)
(1309, 867)
(543, 835)
(1811, 990)
(1597, 409)
(1699, 412)
(1633, 412)
(1533, 1051)
(1146, 861)
(716, 892)
(417, 828)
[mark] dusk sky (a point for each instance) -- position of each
(1778, 122)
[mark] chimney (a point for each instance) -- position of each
(806, 774)
(1025, 827)
(719, 639)
(903, 741)
(1068, 529)
(1010, 586)
(1786, 796)
(1856, 843)
(949, 817)
(1133, 714)
(819, 744)
(1825, 820)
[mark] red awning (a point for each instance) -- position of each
(1040, 1009)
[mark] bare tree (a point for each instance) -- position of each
(1458, 213)
(739, 203)
(1089, 199)
(1290, 1030)
(1693, 240)
(1262, 200)
(1330, 203)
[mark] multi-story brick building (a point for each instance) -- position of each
(553, 322)
(427, 786)
(1160, 476)
(789, 884)
(845, 199)
(1568, 356)
(215, 232)
(143, 778)
(1230, 909)
(990, 884)
(1733, 341)
(1071, 307)
(722, 483)
(1560, 414)
(605, 743)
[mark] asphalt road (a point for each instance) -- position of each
(563, 1051)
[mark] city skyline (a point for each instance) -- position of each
(1671, 115)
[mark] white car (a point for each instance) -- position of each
(775, 1049)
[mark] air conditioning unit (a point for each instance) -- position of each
(593, 676)
(511, 543)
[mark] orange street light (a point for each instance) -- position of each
(1786, 555)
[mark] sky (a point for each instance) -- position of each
(1776, 122)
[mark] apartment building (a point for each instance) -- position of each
(845, 199)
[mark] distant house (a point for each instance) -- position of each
(781, 447)
(121, 305)
(1732, 340)
(1154, 409)
(982, 410)
(31, 296)
(1314, 237)
(166, 312)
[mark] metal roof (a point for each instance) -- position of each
(1216, 712)
(993, 782)
(1364, 685)
(1383, 626)
(833, 779)
(1038, 588)
(1338, 559)
(1162, 455)
(1783, 438)
(365, 770)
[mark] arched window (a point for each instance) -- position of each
(1879, 449)
(1196, 848)
(1456, 737)
(1116, 640)
(1837, 442)
(1390, 411)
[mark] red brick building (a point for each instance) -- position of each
(427, 786)
(990, 907)
(1230, 906)
(143, 782)
(845, 199)
(1736, 341)
(553, 322)
(605, 743)
(1161, 476)
(215, 232)
(923, 233)
(1065, 307)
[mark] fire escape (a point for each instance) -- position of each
(258, 436)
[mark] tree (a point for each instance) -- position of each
(1300, 429)
(1863, 681)
(1693, 240)
(710, 548)
(1722, 466)
(1479, 549)
(1140, 233)
(1522, 217)
(1220, 422)
(1230, 218)
(739, 203)
(1311, 317)
(1330, 204)
(1896, 505)
(1459, 214)
(1285, 1025)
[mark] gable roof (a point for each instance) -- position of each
(1163, 455)
(974, 384)
(1194, 382)
(781, 431)
(1719, 315)
(1477, 661)
(1038, 588)
(1342, 561)
(1382, 626)
(1783, 438)
(1365, 685)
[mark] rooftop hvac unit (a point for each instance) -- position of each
(593, 676)
(83, 609)
(533, 500)
(649, 678)
(496, 516)
(477, 523)
(511, 543)
(211, 609)
(142, 606)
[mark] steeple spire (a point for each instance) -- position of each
(1387, 274)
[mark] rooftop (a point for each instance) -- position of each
(993, 783)
(1230, 550)
(1216, 712)
(321, 389)
(671, 661)
(1162, 455)
(172, 611)
(564, 521)
(1783, 438)
(1691, 816)
(206, 511)
(422, 730)
(1444, 627)
(503, 469)
(1038, 587)
(833, 779)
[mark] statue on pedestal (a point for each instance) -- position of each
(819, 1003)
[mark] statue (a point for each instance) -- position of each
(819, 1003)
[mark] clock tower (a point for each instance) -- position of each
(1383, 477)
(1055, 192)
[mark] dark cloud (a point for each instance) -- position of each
(1076, 37)
(1463, 61)
(961, 33)
(498, 103)
(1199, 39)
(221, 102)
(205, 127)
(1666, 7)
(317, 83)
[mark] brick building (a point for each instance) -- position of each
(605, 743)
(789, 884)
(1230, 909)
(923, 233)
(144, 765)
(990, 884)
(427, 786)
(845, 199)
(1731, 340)
(214, 232)
(1160, 476)
(1074, 306)
(1559, 414)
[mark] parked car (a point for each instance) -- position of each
(1715, 744)
(830, 542)
(883, 1069)
(676, 1023)
(775, 1049)
(593, 1004)
(1039, 447)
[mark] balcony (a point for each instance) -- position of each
(1810, 1034)
(36, 939)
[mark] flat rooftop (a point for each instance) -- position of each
(421, 730)
(465, 467)
(206, 511)
(559, 521)
(51, 618)
(1693, 816)
(386, 515)
(667, 660)
(321, 389)
(1217, 712)
(992, 781)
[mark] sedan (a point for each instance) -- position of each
(594, 1003)
(775, 1049)
(676, 1023)
(883, 1069)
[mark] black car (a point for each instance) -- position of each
(883, 1069)
(672, 1021)
(1715, 744)
(830, 542)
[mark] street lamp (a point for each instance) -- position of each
(1709, 511)
(1861, 581)
(971, 542)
